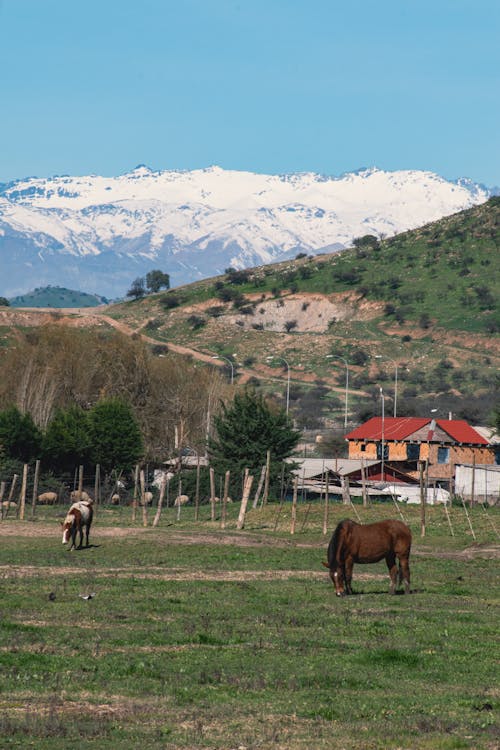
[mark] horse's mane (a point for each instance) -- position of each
(340, 528)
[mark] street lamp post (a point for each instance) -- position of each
(287, 379)
(336, 356)
(380, 356)
(219, 356)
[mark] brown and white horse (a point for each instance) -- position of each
(368, 543)
(78, 520)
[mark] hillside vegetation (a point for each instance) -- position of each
(57, 297)
(424, 302)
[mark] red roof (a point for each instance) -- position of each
(400, 428)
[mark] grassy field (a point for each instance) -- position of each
(199, 637)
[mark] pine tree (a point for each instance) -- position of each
(245, 430)
(66, 442)
(20, 438)
(115, 435)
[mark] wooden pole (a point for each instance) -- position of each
(244, 502)
(294, 505)
(259, 487)
(35, 487)
(134, 498)
(97, 484)
(224, 500)
(80, 482)
(22, 498)
(143, 498)
(473, 488)
(179, 493)
(363, 483)
(156, 519)
(11, 494)
(265, 496)
(212, 494)
(422, 499)
(346, 495)
(325, 511)
(468, 519)
(2, 491)
(197, 490)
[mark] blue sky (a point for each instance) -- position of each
(99, 86)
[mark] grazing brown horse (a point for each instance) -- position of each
(78, 520)
(358, 543)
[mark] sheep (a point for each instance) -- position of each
(148, 498)
(115, 499)
(181, 500)
(82, 496)
(47, 498)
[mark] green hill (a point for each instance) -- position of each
(425, 300)
(57, 297)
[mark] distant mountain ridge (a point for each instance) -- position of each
(98, 233)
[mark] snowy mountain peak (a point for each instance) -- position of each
(104, 231)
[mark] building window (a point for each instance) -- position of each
(413, 452)
(443, 455)
(362, 447)
(379, 451)
(497, 455)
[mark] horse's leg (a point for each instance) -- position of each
(87, 530)
(404, 572)
(393, 571)
(81, 536)
(348, 574)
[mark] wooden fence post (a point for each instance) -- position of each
(325, 512)
(212, 494)
(11, 494)
(134, 498)
(294, 505)
(197, 490)
(259, 487)
(265, 496)
(97, 484)
(143, 499)
(473, 488)
(363, 484)
(224, 500)
(160, 500)
(244, 501)
(35, 487)
(22, 497)
(422, 500)
(80, 482)
(2, 491)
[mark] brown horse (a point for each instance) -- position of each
(357, 543)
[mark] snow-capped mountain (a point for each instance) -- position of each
(99, 233)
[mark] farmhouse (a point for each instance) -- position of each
(407, 441)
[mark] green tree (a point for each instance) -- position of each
(4, 302)
(115, 435)
(137, 288)
(156, 280)
(20, 438)
(66, 442)
(244, 431)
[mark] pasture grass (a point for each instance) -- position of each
(199, 637)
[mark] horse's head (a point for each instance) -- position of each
(337, 579)
(66, 529)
